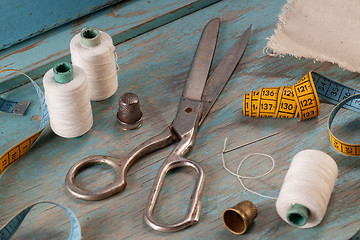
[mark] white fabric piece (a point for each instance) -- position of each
(324, 30)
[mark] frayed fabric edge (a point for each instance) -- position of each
(276, 50)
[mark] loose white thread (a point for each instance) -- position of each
(309, 182)
(248, 177)
(68, 104)
(99, 64)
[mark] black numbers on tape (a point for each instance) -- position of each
(308, 114)
(268, 93)
(334, 91)
(348, 149)
(357, 103)
(306, 102)
(287, 106)
(302, 88)
(267, 106)
(288, 93)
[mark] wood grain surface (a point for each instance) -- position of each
(122, 21)
(25, 19)
(154, 65)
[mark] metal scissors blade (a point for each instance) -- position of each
(222, 72)
(187, 121)
(199, 95)
(201, 64)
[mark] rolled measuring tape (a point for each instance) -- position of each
(345, 148)
(9, 229)
(299, 100)
(302, 101)
(16, 152)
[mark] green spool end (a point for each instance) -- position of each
(63, 72)
(298, 215)
(90, 37)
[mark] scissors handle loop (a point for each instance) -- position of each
(117, 185)
(121, 167)
(193, 212)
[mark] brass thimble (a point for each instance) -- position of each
(129, 114)
(238, 218)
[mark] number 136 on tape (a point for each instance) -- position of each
(299, 100)
(302, 101)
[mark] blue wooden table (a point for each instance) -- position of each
(156, 41)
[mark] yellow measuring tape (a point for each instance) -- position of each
(302, 101)
(16, 152)
(299, 100)
(345, 148)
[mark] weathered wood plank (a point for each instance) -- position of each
(24, 19)
(155, 66)
(122, 21)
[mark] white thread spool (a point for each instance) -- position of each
(68, 100)
(307, 187)
(94, 52)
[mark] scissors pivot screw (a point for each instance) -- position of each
(199, 94)
(188, 110)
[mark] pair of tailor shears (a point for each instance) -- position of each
(199, 95)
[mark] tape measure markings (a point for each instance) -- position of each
(7, 105)
(254, 99)
(14, 153)
(267, 103)
(10, 106)
(307, 92)
(328, 90)
(246, 109)
(345, 148)
(287, 105)
(9, 229)
(306, 98)
(302, 101)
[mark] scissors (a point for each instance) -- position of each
(198, 96)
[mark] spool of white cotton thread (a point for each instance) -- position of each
(68, 100)
(94, 52)
(307, 187)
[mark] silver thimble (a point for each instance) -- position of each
(129, 114)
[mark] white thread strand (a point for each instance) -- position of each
(309, 182)
(99, 64)
(248, 177)
(68, 104)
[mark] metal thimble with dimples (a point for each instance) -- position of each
(129, 114)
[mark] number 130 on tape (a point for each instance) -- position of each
(302, 101)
